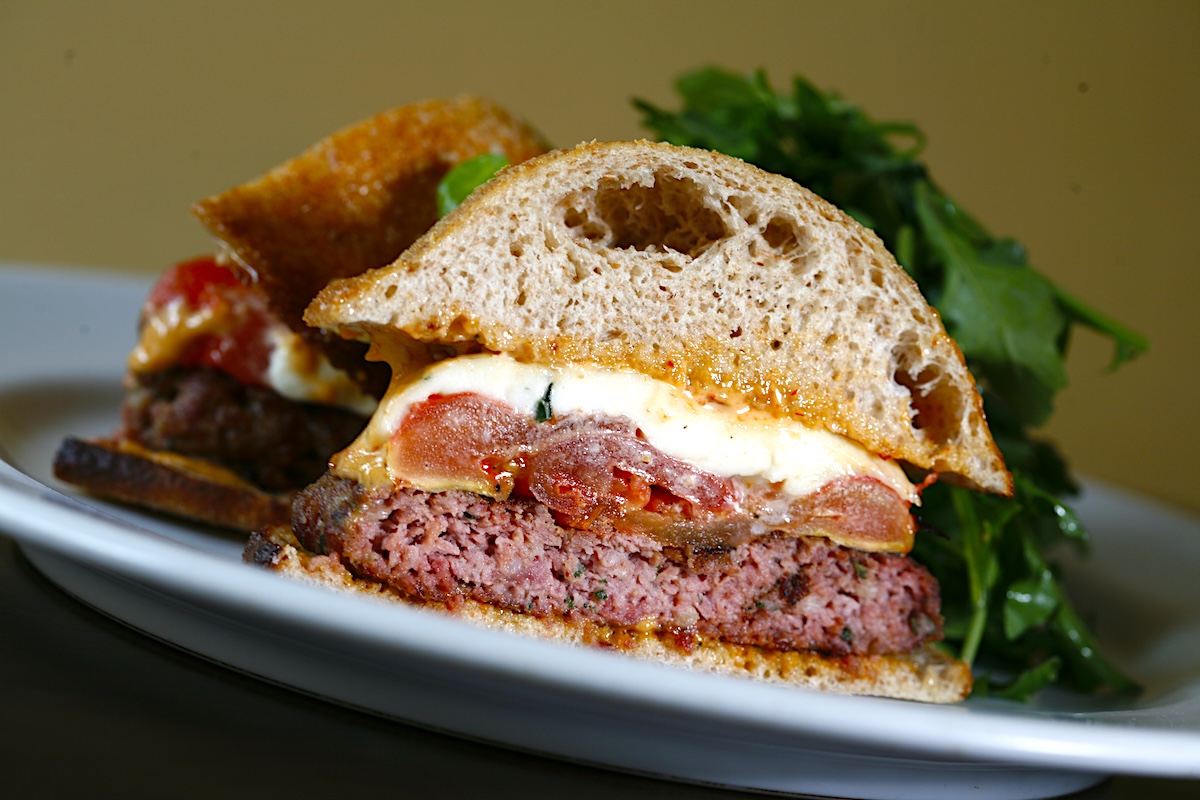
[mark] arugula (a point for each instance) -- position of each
(465, 177)
(1001, 595)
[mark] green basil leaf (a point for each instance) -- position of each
(465, 177)
(543, 411)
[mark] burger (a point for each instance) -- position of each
(654, 399)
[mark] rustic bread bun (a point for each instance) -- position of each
(695, 268)
(168, 482)
(927, 675)
(354, 200)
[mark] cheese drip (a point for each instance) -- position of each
(713, 436)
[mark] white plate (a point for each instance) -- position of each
(63, 337)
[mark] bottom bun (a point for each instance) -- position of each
(927, 674)
(178, 485)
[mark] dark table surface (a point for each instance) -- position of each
(94, 709)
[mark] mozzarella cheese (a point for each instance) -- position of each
(299, 372)
(715, 437)
(295, 369)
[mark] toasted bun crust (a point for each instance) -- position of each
(695, 268)
(927, 675)
(357, 198)
(178, 485)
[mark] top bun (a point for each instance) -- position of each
(357, 198)
(695, 268)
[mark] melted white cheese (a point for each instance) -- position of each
(299, 372)
(713, 436)
(296, 369)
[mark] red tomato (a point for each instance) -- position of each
(198, 281)
(237, 343)
(589, 470)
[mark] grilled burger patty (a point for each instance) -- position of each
(788, 593)
(271, 441)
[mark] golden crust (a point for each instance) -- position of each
(178, 485)
(927, 675)
(357, 198)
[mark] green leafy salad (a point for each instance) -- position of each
(1004, 607)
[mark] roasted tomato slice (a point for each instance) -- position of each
(200, 315)
(593, 470)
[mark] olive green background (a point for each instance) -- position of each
(1072, 126)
